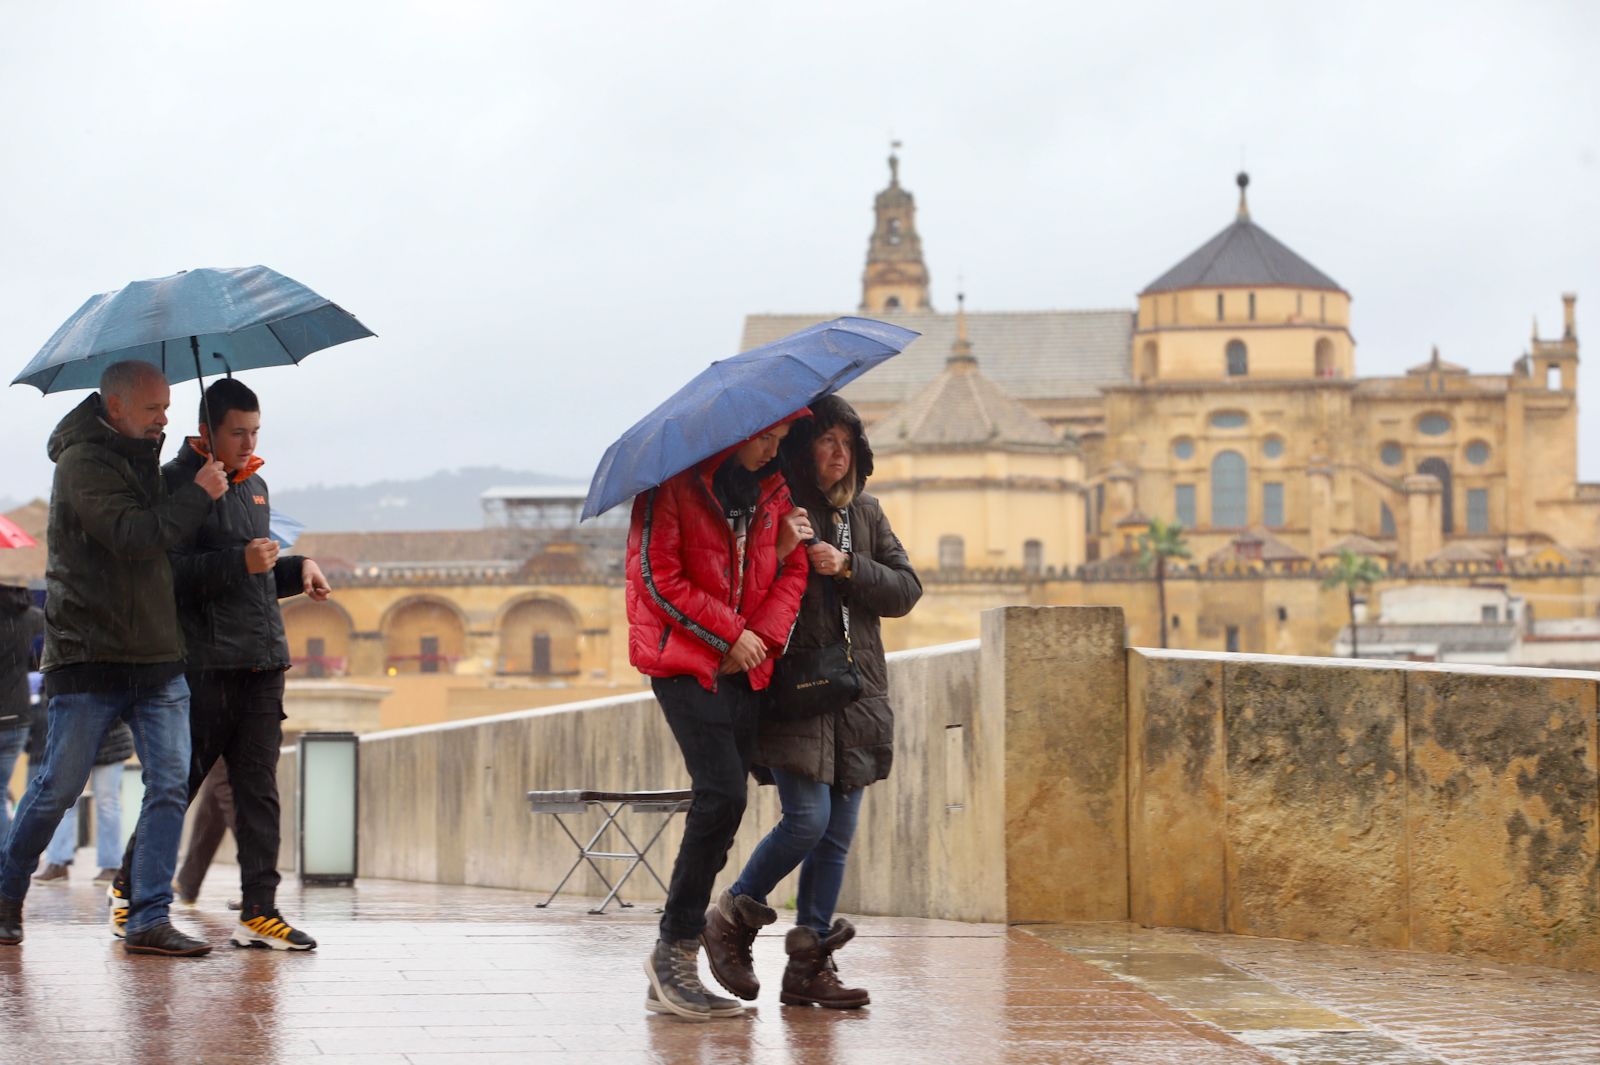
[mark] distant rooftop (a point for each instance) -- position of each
(1032, 355)
(1242, 254)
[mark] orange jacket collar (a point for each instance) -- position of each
(239, 476)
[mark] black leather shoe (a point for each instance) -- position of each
(10, 923)
(165, 940)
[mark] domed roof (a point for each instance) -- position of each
(961, 408)
(1242, 254)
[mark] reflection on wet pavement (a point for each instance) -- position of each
(1314, 1004)
(433, 975)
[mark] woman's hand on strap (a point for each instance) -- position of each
(828, 560)
(794, 529)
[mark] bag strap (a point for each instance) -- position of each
(842, 520)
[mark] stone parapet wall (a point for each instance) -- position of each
(1435, 808)
(446, 804)
(1050, 773)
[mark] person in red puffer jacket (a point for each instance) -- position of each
(716, 571)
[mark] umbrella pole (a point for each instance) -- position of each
(205, 408)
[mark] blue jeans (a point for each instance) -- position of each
(105, 782)
(12, 741)
(159, 717)
(819, 820)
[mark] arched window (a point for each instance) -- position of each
(1238, 359)
(1386, 522)
(952, 552)
(1447, 508)
(1219, 306)
(539, 637)
(1230, 491)
(892, 303)
(1252, 306)
(1149, 365)
(1324, 357)
(894, 231)
(1552, 378)
(319, 637)
(423, 635)
(1033, 556)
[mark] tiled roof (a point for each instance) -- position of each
(962, 408)
(1242, 254)
(1459, 552)
(456, 545)
(1272, 549)
(1033, 355)
(1359, 545)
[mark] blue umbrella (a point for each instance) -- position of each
(731, 400)
(240, 318)
(284, 529)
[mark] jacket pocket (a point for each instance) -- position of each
(666, 633)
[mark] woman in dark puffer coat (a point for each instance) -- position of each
(822, 764)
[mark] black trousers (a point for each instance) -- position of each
(211, 818)
(237, 715)
(716, 731)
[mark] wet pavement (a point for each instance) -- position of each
(1315, 1004)
(415, 974)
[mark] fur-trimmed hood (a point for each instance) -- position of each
(795, 451)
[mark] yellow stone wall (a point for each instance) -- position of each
(995, 501)
(1295, 334)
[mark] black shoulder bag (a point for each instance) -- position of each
(820, 680)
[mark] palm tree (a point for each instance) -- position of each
(1353, 571)
(1163, 541)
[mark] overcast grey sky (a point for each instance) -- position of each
(552, 214)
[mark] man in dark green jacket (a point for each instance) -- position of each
(229, 577)
(113, 649)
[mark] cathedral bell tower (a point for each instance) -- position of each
(896, 279)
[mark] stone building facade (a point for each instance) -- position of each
(1227, 400)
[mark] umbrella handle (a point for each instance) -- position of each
(205, 407)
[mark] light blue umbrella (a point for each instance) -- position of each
(193, 323)
(284, 529)
(733, 399)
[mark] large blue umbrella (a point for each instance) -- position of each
(731, 400)
(193, 323)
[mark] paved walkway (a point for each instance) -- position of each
(414, 974)
(1313, 1004)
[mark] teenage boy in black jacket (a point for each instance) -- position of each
(229, 577)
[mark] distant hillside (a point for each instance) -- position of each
(444, 500)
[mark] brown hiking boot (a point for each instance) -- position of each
(811, 977)
(731, 926)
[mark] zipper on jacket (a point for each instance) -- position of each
(733, 544)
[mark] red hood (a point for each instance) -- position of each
(239, 476)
